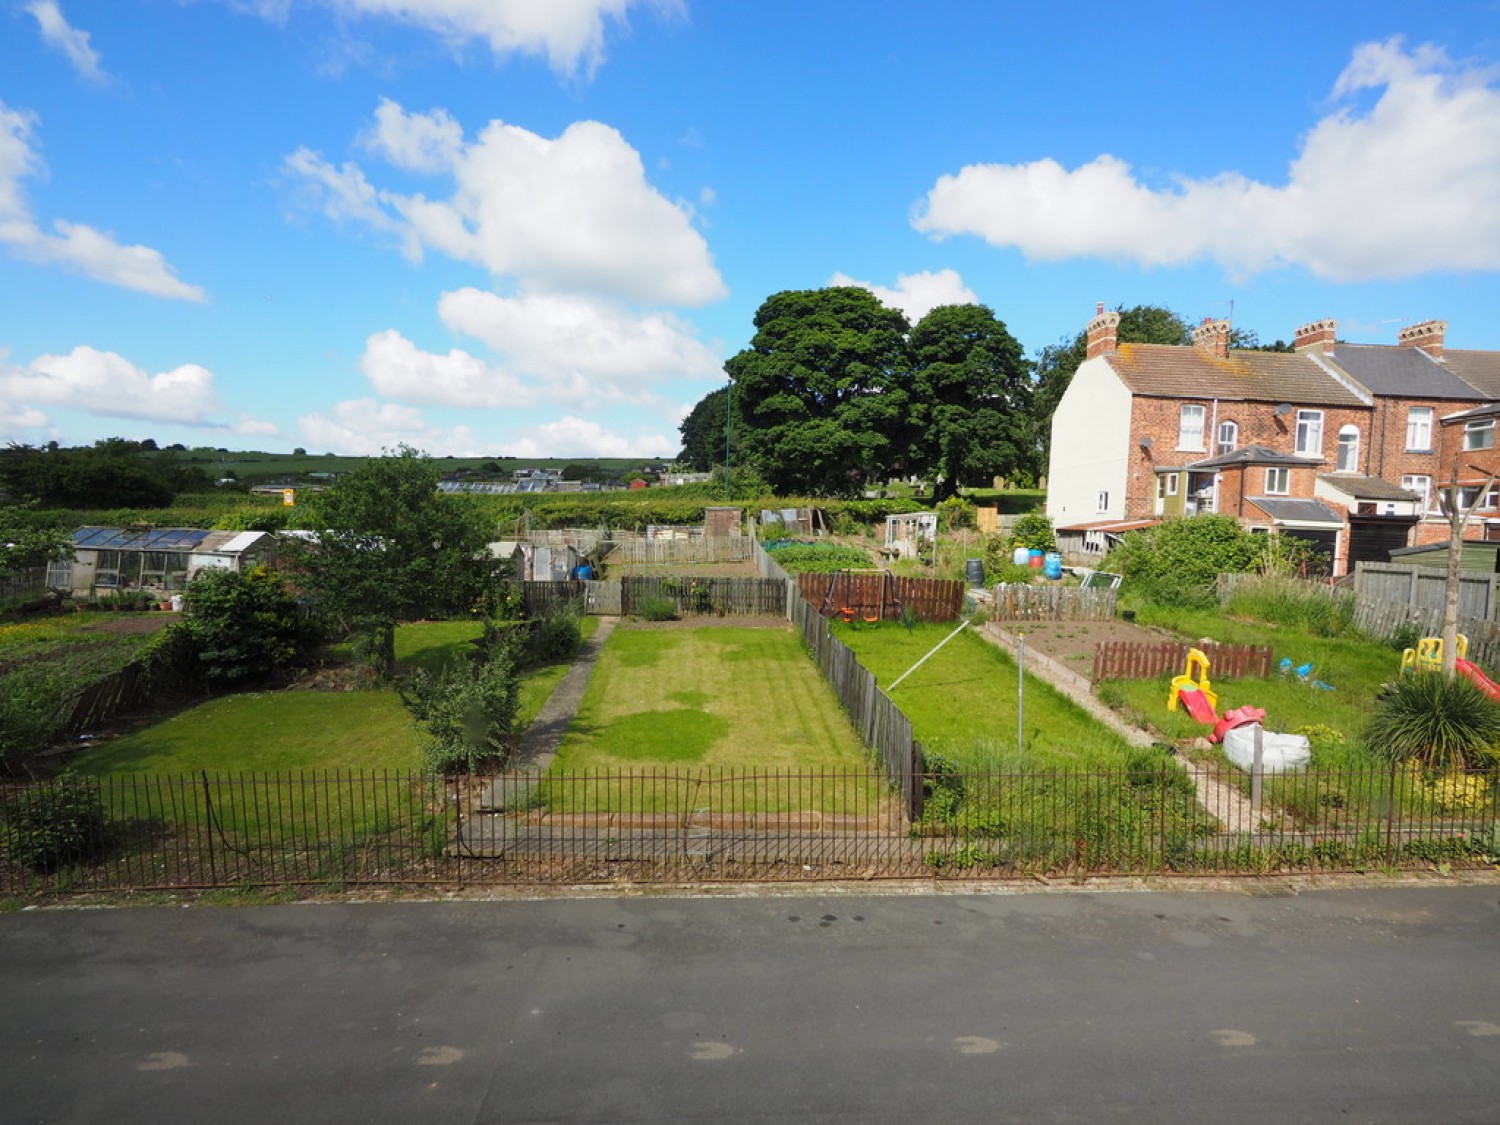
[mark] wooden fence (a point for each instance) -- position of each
(1052, 603)
(1423, 588)
(676, 552)
(718, 596)
(884, 727)
(882, 596)
(1125, 660)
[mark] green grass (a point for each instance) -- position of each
(701, 701)
(269, 731)
(963, 702)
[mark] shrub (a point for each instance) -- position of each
(31, 712)
(1178, 563)
(246, 625)
(1438, 723)
(1033, 531)
(557, 637)
(655, 608)
(468, 711)
(50, 825)
(956, 512)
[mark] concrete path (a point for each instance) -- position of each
(512, 789)
(1223, 802)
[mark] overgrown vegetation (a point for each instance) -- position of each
(45, 827)
(1434, 722)
(817, 558)
(1177, 563)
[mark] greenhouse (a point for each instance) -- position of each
(166, 558)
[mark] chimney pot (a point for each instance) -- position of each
(1212, 336)
(1428, 336)
(1318, 336)
(1103, 333)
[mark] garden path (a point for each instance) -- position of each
(1227, 804)
(512, 789)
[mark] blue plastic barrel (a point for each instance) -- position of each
(1034, 559)
(1052, 565)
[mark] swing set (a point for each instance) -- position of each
(849, 603)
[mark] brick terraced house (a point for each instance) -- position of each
(1343, 445)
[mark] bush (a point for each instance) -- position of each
(557, 637)
(246, 626)
(468, 711)
(50, 825)
(1434, 722)
(1178, 563)
(1034, 532)
(31, 712)
(655, 608)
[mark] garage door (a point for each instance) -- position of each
(1374, 542)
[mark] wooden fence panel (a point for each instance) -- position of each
(1052, 603)
(881, 596)
(1424, 587)
(676, 552)
(723, 596)
(1124, 660)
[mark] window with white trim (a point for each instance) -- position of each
(1471, 500)
(1278, 480)
(1103, 501)
(1419, 429)
(1479, 434)
(1421, 484)
(1310, 433)
(1190, 427)
(1229, 438)
(1348, 461)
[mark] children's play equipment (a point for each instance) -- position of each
(1304, 673)
(1196, 694)
(1428, 655)
(853, 600)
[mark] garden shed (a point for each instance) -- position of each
(162, 558)
(907, 532)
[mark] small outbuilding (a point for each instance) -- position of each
(162, 558)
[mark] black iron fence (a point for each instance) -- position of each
(338, 829)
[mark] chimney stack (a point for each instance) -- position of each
(1212, 336)
(1103, 332)
(1318, 336)
(1428, 336)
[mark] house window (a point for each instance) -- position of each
(1229, 437)
(1103, 501)
(1470, 498)
(1348, 461)
(1310, 433)
(1278, 481)
(1419, 429)
(1480, 434)
(1422, 486)
(1190, 427)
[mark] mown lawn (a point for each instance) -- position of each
(963, 702)
(697, 701)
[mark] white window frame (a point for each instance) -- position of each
(1479, 434)
(1103, 501)
(1190, 437)
(1278, 474)
(1348, 456)
(1228, 439)
(1310, 433)
(1419, 429)
(1419, 483)
(1470, 500)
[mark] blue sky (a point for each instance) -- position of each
(538, 227)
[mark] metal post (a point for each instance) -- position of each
(1257, 775)
(728, 427)
(1020, 692)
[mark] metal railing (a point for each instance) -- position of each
(337, 829)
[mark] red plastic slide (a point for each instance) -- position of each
(1200, 708)
(1471, 671)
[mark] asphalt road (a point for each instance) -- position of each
(1364, 1005)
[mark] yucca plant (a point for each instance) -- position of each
(1435, 723)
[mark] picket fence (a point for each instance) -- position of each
(1052, 603)
(882, 596)
(677, 552)
(1124, 660)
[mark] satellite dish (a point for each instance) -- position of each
(1283, 408)
(1145, 443)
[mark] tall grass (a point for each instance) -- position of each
(1291, 603)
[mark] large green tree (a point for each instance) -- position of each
(970, 399)
(823, 390)
(704, 434)
(112, 473)
(387, 547)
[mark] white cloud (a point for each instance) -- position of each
(576, 437)
(569, 215)
(365, 427)
(106, 383)
(570, 34)
(917, 294)
(552, 339)
(1404, 187)
(58, 34)
(17, 419)
(398, 369)
(74, 245)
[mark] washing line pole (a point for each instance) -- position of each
(962, 625)
(1020, 692)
